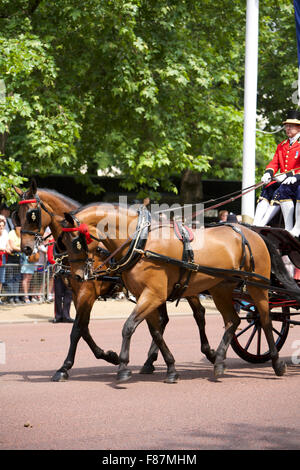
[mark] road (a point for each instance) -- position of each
(249, 408)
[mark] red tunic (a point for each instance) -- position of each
(286, 158)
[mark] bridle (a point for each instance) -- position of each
(137, 241)
(80, 245)
(34, 216)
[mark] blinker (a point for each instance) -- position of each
(79, 243)
(33, 216)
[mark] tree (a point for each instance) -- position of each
(152, 88)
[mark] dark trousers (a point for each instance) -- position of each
(62, 299)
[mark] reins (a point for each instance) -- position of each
(230, 197)
(241, 193)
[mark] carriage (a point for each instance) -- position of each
(248, 342)
(248, 295)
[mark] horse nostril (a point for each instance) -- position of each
(27, 250)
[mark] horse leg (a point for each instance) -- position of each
(261, 300)
(222, 297)
(62, 373)
(199, 312)
(155, 330)
(128, 329)
(80, 329)
(85, 299)
(108, 356)
(147, 305)
(148, 367)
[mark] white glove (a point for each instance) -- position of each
(280, 178)
(290, 180)
(266, 178)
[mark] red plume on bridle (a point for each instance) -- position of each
(83, 228)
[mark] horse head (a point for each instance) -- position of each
(28, 217)
(74, 239)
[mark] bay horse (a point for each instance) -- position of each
(151, 278)
(35, 217)
(40, 210)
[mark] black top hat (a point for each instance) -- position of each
(293, 117)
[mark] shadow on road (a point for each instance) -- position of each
(236, 369)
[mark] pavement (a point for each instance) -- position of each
(110, 309)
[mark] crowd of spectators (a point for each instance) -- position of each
(17, 271)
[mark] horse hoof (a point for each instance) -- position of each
(147, 369)
(172, 378)
(219, 370)
(113, 357)
(60, 376)
(123, 375)
(280, 368)
(212, 356)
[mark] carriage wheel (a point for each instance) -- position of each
(250, 343)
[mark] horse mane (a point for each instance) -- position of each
(66, 199)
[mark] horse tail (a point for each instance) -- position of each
(279, 269)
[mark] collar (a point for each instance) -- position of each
(293, 140)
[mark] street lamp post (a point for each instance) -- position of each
(250, 100)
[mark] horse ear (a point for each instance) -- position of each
(69, 218)
(18, 191)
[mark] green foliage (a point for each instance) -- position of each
(151, 88)
(9, 176)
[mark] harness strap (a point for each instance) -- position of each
(244, 243)
(45, 208)
(187, 256)
(138, 243)
(219, 272)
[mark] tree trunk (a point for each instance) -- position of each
(191, 188)
(2, 142)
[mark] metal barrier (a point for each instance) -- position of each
(26, 282)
